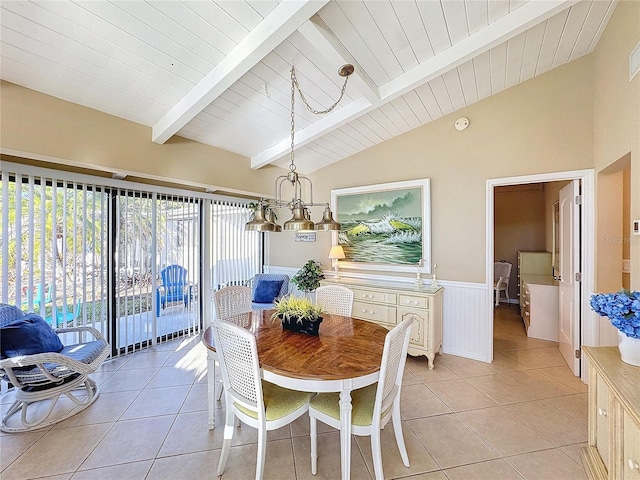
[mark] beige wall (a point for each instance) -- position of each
(533, 128)
(584, 114)
(609, 239)
(616, 124)
(579, 115)
(523, 220)
(75, 135)
(519, 224)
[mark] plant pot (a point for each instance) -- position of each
(629, 349)
(305, 326)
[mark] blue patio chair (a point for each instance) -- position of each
(175, 287)
(63, 315)
(266, 287)
(34, 296)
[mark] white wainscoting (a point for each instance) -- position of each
(465, 323)
(464, 310)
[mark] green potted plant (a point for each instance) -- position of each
(308, 277)
(298, 314)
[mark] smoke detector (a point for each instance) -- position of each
(461, 123)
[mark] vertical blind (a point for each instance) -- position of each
(54, 249)
(82, 250)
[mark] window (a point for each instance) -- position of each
(83, 250)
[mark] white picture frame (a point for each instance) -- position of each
(382, 201)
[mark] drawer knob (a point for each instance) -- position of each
(371, 312)
(633, 465)
(602, 412)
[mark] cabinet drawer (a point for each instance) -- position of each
(631, 449)
(374, 312)
(412, 302)
(374, 296)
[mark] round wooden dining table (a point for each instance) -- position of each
(345, 356)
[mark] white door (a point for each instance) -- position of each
(569, 293)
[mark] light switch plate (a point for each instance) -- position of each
(635, 228)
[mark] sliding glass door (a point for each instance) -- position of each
(139, 264)
(157, 266)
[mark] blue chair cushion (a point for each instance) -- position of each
(28, 335)
(82, 352)
(267, 290)
(9, 313)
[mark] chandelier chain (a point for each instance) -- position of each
(292, 166)
(295, 85)
(294, 81)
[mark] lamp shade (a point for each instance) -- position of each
(327, 223)
(259, 222)
(299, 222)
(336, 253)
(271, 218)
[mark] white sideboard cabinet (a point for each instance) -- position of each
(539, 306)
(613, 452)
(538, 295)
(389, 303)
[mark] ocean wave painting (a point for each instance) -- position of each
(382, 226)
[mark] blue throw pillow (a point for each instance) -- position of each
(267, 290)
(28, 335)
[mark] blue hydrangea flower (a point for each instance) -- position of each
(622, 308)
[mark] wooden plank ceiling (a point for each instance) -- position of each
(217, 72)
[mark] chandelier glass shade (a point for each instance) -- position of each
(264, 219)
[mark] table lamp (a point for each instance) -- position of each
(336, 254)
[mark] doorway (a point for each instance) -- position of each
(584, 246)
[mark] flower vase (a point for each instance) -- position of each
(629, 349)
(310, 327)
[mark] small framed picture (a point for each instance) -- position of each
(305, 237)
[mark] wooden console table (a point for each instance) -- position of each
(388, 303)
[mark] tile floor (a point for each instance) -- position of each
(522, 417)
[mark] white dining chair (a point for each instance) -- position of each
(229, 302)
(501, 274)
(372, 406)
(335, 299)
(255, 402)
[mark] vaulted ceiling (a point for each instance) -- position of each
(218, 72)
